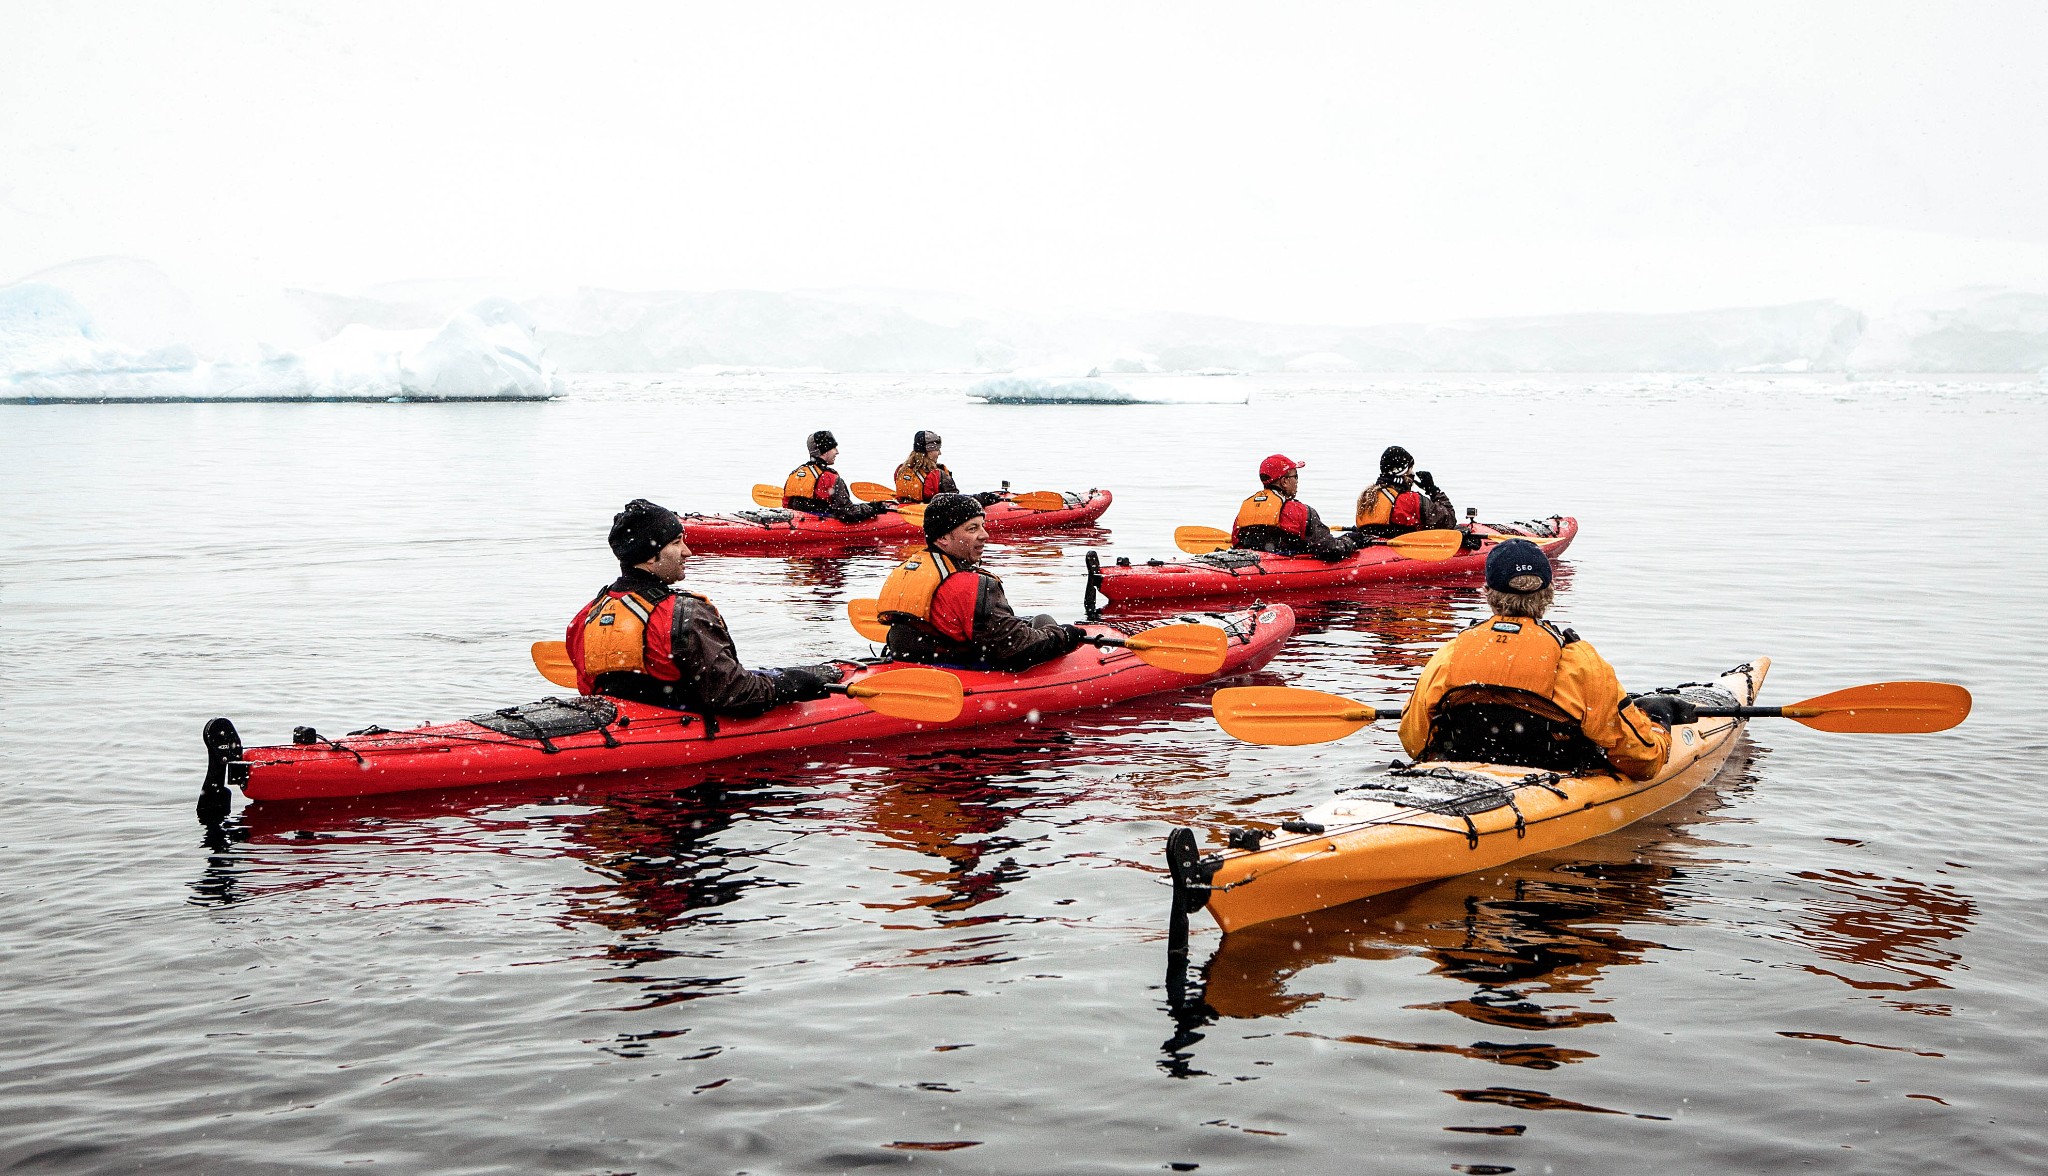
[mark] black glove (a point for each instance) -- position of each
(1667, 710)
(1428, 482)
(875, 510)
(1076, 636)
(990, 497)
(801, 683)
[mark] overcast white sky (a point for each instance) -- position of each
(1298, 162)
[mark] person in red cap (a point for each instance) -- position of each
(1274, 520)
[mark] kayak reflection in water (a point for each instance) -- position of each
(645, 641)
(1395, 505)
(943, 608)
(816, 488)
(1516, 689)
(922, 478)
(1275, 520)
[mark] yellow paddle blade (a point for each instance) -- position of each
(922, 696)
(1892, 708)
(1188, 649)
(1287, 716)
(551, 658)
(766, 495)
(1427, 545)
(866, 618)
(1200, 540)
(912, 512)
(873, 492)
(1040, 500)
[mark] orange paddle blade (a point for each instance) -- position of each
(1200, 540)
(1040, 500)
(866, 618)
(873, 492)
(766, 495)
(1288, 716)
(1892, 708)
(912, 512)
(1187, 649)
(551, 658)
(923, 696)
(1430, 546)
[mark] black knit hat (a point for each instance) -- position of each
(641, 530)
(1517, 566)
(821, 442)
(924, 440)
(948, 511)
(1393, 458)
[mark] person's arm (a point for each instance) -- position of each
(1437, 511)
(1320, 542)
(1586, 685)
(1008, 641)
(713, 677)
(1415, 721)
(841, 505)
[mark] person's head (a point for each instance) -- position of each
(1518, 579)
(823, 446)
(926, 442)
(1396, 464)
(1278, 473)
(649, 537)
(954, 525)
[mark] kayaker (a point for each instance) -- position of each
(816, 488)
(1275, 520)
(643, 640)
(944, 608)
(1403, 500)
(921, 478)
(1516, 689)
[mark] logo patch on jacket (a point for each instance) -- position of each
(1506, 627)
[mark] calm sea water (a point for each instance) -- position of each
(949, 955)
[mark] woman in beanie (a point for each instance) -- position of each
(816, 488)
(1275, 520)
(644, 640)
(943, 608)
(1403, 500)
(1516, 689)
(921, 478)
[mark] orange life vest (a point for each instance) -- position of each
(615, 634)
(1268, 508)
(809, 480)
(908, 591)
(1383, 506)
(1517, 653)
(912, 486)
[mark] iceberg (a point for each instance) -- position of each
(1124, 389)
(115, 329)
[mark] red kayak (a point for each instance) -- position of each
(581, 736)
(783, 530)
(1262, 575)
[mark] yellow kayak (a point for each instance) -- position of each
(1412, 825)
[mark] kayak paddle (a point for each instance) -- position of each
(920, 695)
(876, 492)
(770, 497)
(1429, 546)
(1287, 716)
(872, 492)
(1187, 649)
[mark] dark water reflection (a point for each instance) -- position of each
(947, 952)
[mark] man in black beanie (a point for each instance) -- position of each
(942, 607)
(816, 488)
(644, 640)
(1403, 500)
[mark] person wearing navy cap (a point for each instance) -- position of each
(1517, 689)
(1275, 520)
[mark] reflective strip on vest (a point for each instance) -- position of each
(1519, 653)
(615, 634)
(909, 590)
